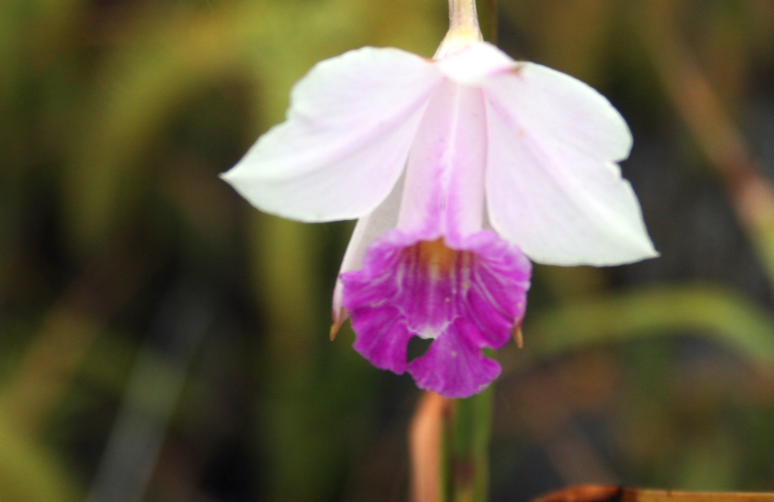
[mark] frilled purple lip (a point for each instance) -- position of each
(465, 299)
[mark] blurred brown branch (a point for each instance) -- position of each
(425, 443)
(601, 493)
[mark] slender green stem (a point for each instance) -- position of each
(467, 449)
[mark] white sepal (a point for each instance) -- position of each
(553, 183)
(344, 144)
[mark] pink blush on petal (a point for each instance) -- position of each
(464, 298)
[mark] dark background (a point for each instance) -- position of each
(160, 340)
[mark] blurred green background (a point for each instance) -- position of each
(160, 340)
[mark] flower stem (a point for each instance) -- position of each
(463, 18)
(463, 28)
(426, 437)
(467, 449)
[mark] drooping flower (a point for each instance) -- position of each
(458, 169)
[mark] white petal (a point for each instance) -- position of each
(476, 63)
(444, 192)
(344, 144)
(368, 228)
(553, 185)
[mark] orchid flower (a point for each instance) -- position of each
(460, 170)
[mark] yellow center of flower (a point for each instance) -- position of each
(436, 256)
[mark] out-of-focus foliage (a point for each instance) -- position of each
(160, 340)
